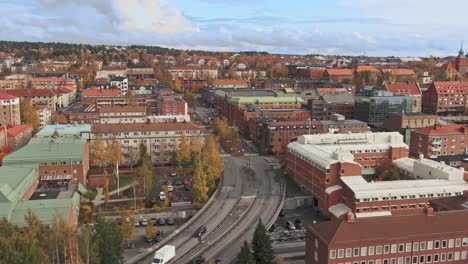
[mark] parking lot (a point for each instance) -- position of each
(175, 183)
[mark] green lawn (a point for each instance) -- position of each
(124, 180)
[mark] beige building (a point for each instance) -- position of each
(9, 110)
(161, 139)
(122, 114)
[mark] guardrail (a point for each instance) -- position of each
(278, 210)
(184, 226)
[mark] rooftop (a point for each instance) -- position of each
(122, 108)
(403, 88)
(143, 127)
(338, 98)
(31, 92)
(390, 228)
(339, 72)
(442, 129)
(14, 130)
(100, 92)
(69, 129)
(5, 96)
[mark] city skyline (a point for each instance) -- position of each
(376, 28)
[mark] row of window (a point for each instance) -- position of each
(405, 197)
(422, 259)
(397, 248)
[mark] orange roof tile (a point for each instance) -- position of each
(362, 68)
(5, 96)
(399, 72)
(441, 129)
(335, 72)
(100, 92)
(403, 88)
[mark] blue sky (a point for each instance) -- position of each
(350, 27)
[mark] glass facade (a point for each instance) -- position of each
(373, 109)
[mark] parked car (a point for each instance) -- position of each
(177, 182)
(187, 187)
(149, 239)
(173, 174)
(185, 181)
(174, 197)
(162, 196)
(170, 188)
(200, 231)
(197, 260)
(144, 222)
(154, 220)
(290, 225)
(299, 224)
(169, 182)
(162, 221)
(170, 221)
(137, 223)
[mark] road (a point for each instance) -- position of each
(235, 195)
(292, 252)
(264, 207)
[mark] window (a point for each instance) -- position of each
(451, 243)
(422, 246)
(340, 253)
(332, 254)
(385, 261)
(437, 244)
(428, 258)
(356, 252)
(415, 259)
(444, 243)
(465, 241)
(443, 257)
(408, 247)
(421, 259)
(450, 256)
(386, 249)
(464, 254)
(393, 261)
(349, 252)
(401, 247)
(407, 260)
(457, 255)
(378, 261)
(370, 262)
(363, 251)
(458, 242)
(400, 260)
(436, 257)
(379, 250)
(371, 251)
(416, 246)
(430, 245)
(363, 262)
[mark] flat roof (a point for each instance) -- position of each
(69, 129)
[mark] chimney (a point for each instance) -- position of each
(429, 211)
(350, 217)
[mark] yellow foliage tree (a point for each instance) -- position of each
(200, 184)
(184, 152)
(29, 114)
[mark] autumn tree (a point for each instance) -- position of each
(17, 247)
(183, 154)
(145, 170)
(151, 230)
(63, 242)
(128, 226)
(115, 155)
(200, 183)
(29, 114)
(60, 119)
(100, 156)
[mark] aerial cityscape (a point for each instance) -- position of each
(255, 132)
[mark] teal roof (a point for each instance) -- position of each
(40, 150)
(15, 181)
(267, 100)
(45, 209)
(64, 130)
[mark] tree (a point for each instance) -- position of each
(109, 240)
(390, 175)
(279, 260)
(200, 184)
(87, 245)
(261, 245)
(17, 247)
(29, 114)
(90, 195)
(128, 226)
(101, 156)
(183, 154)
(61, 119)
(115, 155)
(190, 98)
(64, 242)
(150, 230)
(245, 256)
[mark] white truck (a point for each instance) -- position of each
(164, 254)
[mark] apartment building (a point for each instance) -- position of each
(326, 105)
(446, 98)
(9, 110)
(120, 83)
(440, 237)
(161, 139)
(45, 96)
(122, 114)
(194, 72)
(440, 140)
(407, 89)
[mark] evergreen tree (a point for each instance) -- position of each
(245, 256)
(110, 240)
(261, 245)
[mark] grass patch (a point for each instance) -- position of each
(124, 180)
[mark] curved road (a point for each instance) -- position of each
(246, 194)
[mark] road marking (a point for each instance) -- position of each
(248, 197)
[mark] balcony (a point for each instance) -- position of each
(436, 148)
(434, 142)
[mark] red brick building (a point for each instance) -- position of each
(440, 140)
(401, 122)
(340, 125)
(339, 75)
(318, 162)
(324, 107)
(171, 105)
(446, 98)
(411, 239)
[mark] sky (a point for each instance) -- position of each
(339, 27)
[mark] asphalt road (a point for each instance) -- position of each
(267, 201)
(227, 200)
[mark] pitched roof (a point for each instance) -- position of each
(338, 232)
(15, 130)
(335, 72)
(31, 92)
(100, 92)
(403, 88)
(441, 129)
(399, 72)
(361, 68)
(142, 127)
(5, 96)
(450, 87)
